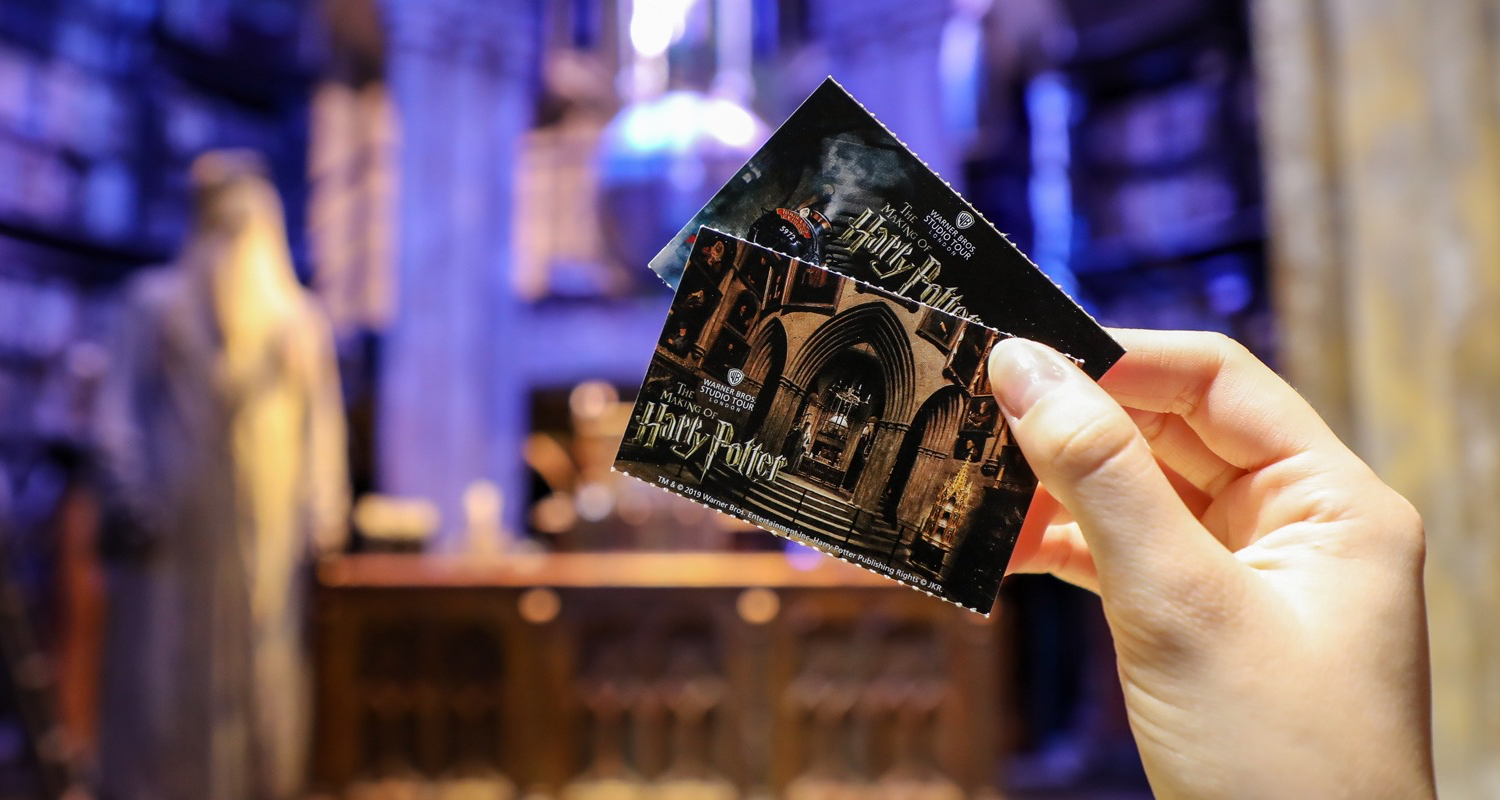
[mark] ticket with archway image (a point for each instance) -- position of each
(835, 414)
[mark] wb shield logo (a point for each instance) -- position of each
(963, 220)
(736, 377)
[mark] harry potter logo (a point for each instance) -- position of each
(684, 436)
(892, 255)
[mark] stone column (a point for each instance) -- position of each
(782, 417)
(927, 472)
(1382, 136)
(877, 475)
(461, 76)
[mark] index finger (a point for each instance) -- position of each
(1242, 410)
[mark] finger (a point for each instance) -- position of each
(1240, 409)
(1179, 447)
(1091, 457)
(1063, 553)
(1043, 512)
(1051, 543)
(1046, 513)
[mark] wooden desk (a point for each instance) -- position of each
(437, 666)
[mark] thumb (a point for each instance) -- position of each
(1089, 454)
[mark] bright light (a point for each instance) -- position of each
(679, 121)
(733, 124)
(656, 24)
(650, 35)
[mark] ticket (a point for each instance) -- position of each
(834, 413)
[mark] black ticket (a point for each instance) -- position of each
(834, 187)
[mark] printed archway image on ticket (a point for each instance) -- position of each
(835, 414)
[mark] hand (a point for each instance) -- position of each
(1263, 587)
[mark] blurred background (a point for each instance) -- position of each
(320, 321)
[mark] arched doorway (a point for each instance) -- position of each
(876, 325)
(872, 324)
(763, 369)
(837, 417)
(925, 447)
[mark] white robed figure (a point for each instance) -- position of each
(804, 441)
(223, 433)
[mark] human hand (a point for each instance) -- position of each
(1263, 586)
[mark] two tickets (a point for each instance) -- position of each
(822, 370)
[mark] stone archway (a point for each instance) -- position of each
(869, 323)
(873, 325)
(919, 464)
(763, 369)
(839, 411)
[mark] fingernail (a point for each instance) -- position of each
(1021, 372)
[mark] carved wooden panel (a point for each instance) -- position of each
(733, 668)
